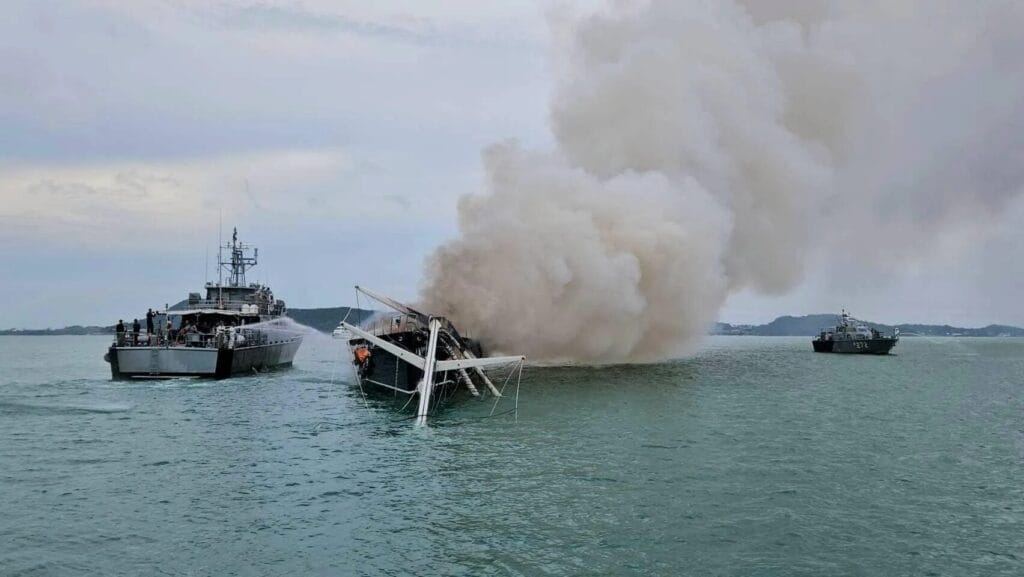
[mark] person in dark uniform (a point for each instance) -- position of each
(136, 329)
(119, 329)
(149, 321)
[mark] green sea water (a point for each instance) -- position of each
(754, 457)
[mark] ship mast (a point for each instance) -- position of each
(239, 262)
(220, 260)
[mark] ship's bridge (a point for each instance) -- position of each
(863, 331)
(231, 293)
(254, 299)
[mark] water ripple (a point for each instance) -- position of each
(756, 457)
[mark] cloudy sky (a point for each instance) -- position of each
(338, 137)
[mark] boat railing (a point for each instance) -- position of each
(240, 336)
(226, 304)
(388, 324)
(251, 337)
(160, 339)
(392, 323)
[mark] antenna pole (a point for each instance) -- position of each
(220, 257)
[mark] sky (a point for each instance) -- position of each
(338, 137)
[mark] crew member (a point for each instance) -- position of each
(119, 329)
(136, 329)
(149, 321)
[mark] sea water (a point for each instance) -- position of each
(755, 457)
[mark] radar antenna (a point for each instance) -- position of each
(239, 262)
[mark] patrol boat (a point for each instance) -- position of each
(410, 354)
(238, 328)
(853, 336)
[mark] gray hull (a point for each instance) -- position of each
(880, 346)
(170, 362)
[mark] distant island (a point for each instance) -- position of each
(326, 319)
(810, 325)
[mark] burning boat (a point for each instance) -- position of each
(410, 353)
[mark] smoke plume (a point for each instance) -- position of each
(708, 146)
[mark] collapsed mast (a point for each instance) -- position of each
(417, 354)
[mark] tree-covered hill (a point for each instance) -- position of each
(326, 320)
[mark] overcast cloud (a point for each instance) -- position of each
(338, 137)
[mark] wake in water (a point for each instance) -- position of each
(16, 407)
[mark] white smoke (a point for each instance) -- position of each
(708, 146)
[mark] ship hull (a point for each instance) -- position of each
(173, 362)
(389, 374)
(386, 374)
(855, 346)
(822, 346)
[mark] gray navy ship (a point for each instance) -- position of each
(853, 336)
(235, 328)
